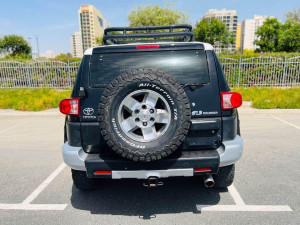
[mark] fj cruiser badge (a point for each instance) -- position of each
(197, 113)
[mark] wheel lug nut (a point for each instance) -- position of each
(144, 107)
(136, 111)
(151, 110)
(144, 123)
(137, 120)
(152, 119)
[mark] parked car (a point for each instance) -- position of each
(151, 105)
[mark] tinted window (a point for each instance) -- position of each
(100, 21)
(187, 67)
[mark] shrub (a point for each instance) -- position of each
(31, 99)
(271, 98)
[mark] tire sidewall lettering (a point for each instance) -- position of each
(163, 92)
(115, 127)
(148, 85)
(153, 80)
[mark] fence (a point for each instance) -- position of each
(48, 74)
(262, 71)
(259, 71)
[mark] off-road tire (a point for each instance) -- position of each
(124, 85)
(81, 181)
(224, 177)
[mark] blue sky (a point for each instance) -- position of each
(55, 20)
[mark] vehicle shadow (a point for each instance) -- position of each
(131, 198)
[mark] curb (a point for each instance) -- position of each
(12, 112)
(249, 110)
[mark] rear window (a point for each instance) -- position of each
(187, 67)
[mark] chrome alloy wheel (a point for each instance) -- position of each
(144, 115)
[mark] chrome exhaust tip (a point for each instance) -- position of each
(208, 180)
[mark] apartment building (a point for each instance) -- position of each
(76, 45)
(229, 18)
(238, 37)
(49, 54)
(248, 30)
(91, 24)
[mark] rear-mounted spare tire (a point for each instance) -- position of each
(144, 115)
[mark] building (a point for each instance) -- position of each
(34, 55)
(229, 18)
(91, 24)
(76, 45)
(49, 54)
(248, 29)
(238, 37)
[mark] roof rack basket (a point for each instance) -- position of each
(148, 34)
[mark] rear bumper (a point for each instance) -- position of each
(228, 153)
(145, 174)
(74, 157)
(231, 151)
(176, 166)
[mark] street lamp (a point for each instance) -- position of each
(37, 44)
(29, 40)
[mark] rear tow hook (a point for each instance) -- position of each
(153, 182)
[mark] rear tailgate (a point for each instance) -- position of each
(206, 129)
(192, 67)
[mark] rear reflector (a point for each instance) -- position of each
(147, 46)
(70, 106)
(231, 100)
(202, 170)
(102, 172)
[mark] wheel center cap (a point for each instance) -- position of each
(144, 115)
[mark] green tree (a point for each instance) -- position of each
(15, 45)
(62, 56)
(154, 15)
(274, 36)
(99, 40)
(66, 57)
(268, 35)
(293, 16)
(289, 40)
(214, 32)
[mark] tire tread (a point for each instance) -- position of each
(153, 75)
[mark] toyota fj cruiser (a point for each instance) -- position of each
(151, 103)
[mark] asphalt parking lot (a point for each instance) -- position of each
(36, 187)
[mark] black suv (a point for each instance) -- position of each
(151, 103)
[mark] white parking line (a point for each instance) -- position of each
(293, 125)
(240, 205)
(18, 124)
(235, 195)
(25, 205)
(33, 206)
(43, 185)
(244, 208)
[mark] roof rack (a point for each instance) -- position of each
(148, 34)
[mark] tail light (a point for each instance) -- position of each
(202, 169)
(147, 46)
(102, 172)
(70, 106)
(231, 100)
